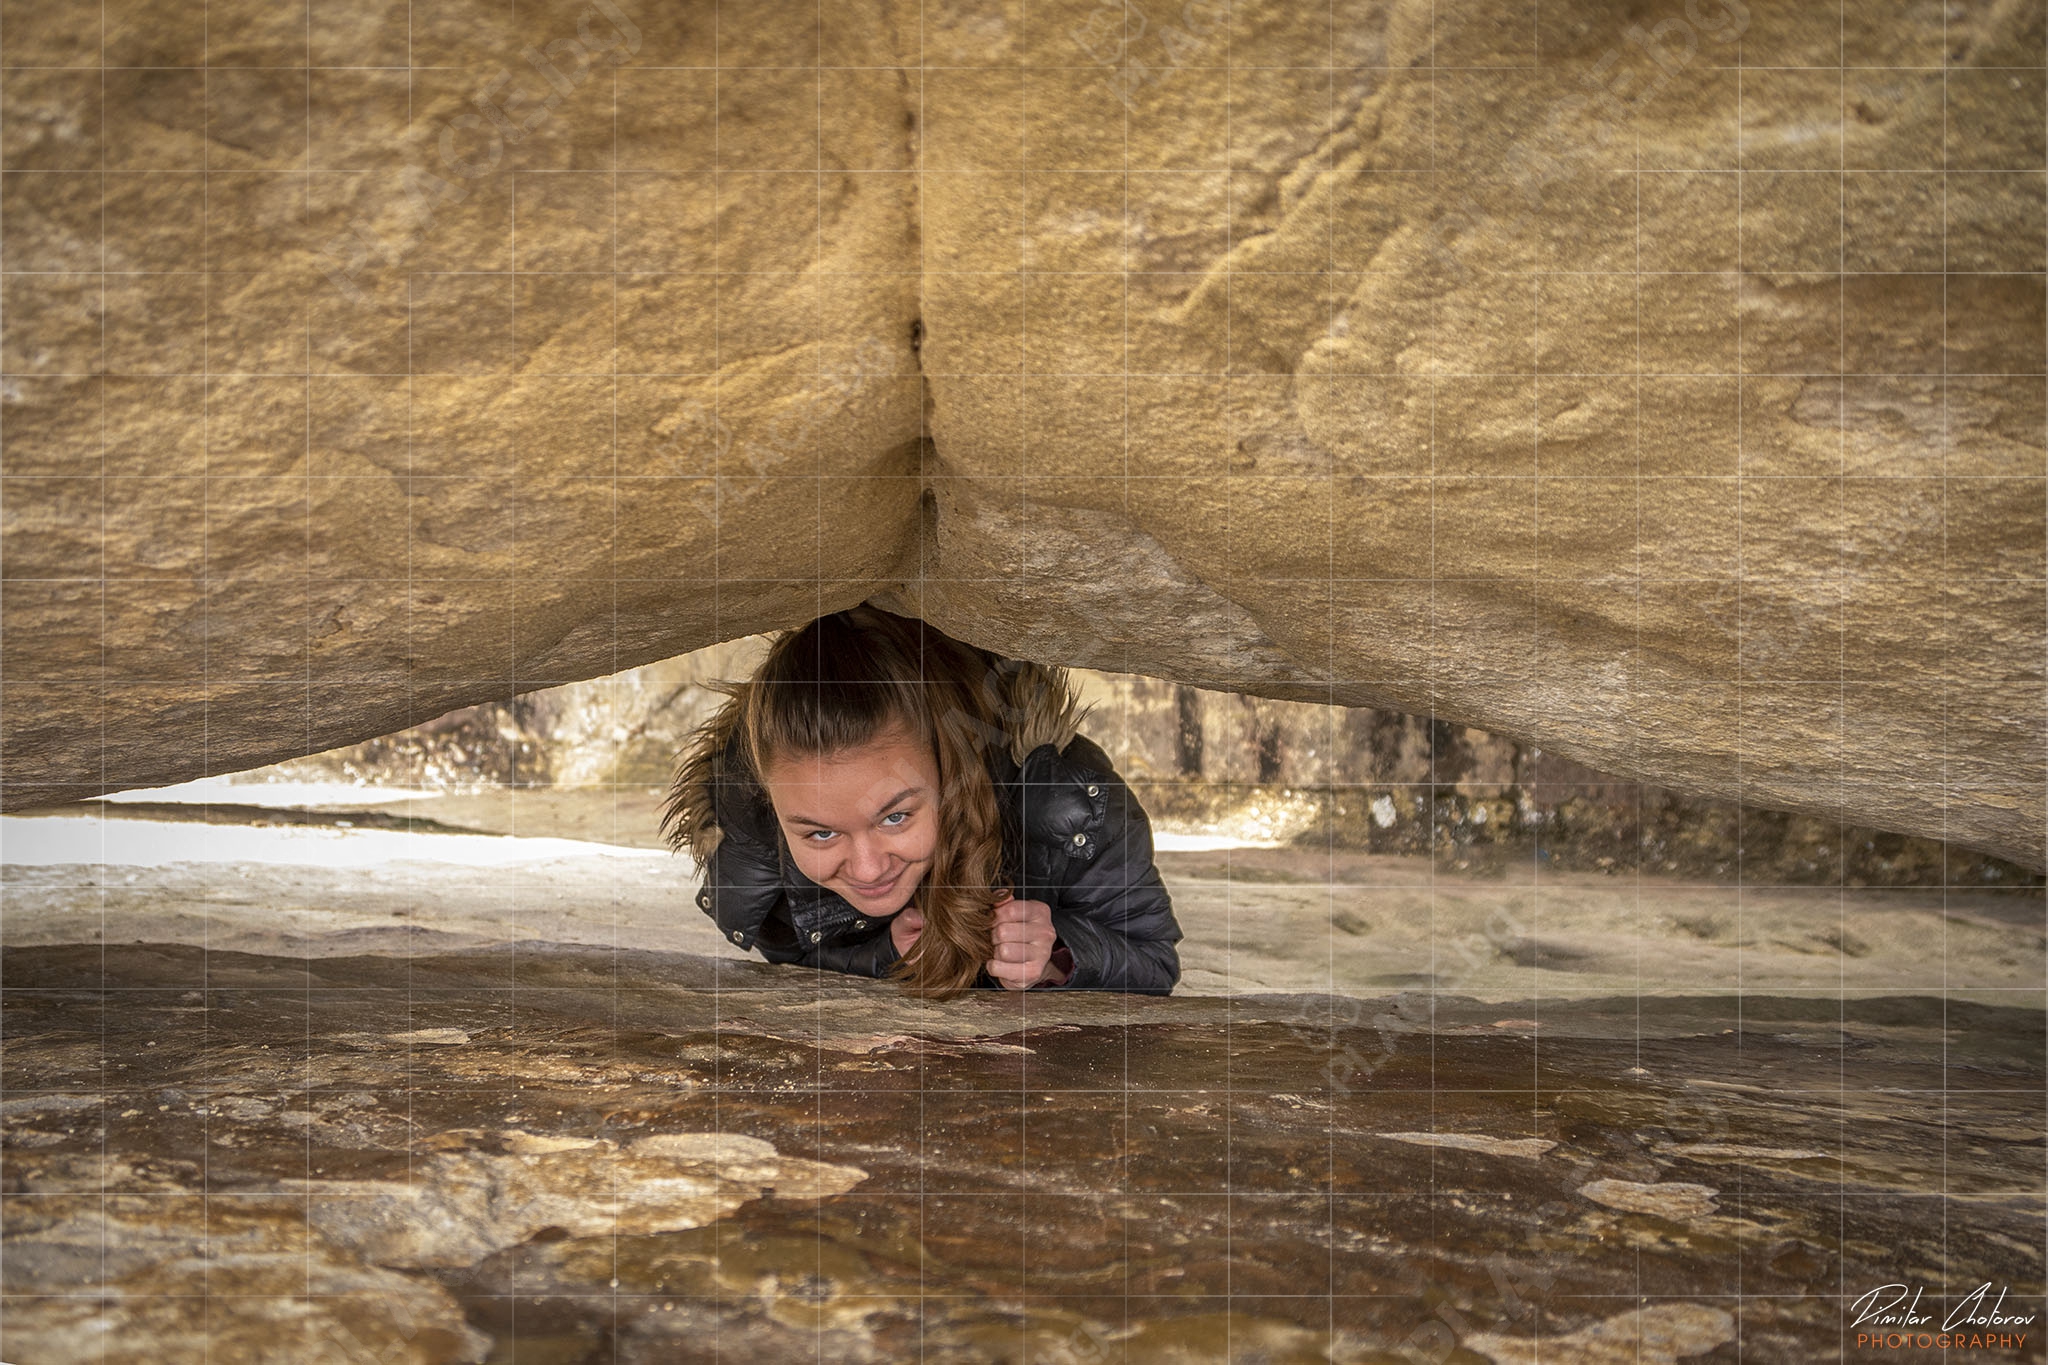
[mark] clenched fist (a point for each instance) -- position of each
(904, 929)
(1023, 944)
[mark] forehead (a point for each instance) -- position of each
(893, 760)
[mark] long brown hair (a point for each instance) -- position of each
(843, 679)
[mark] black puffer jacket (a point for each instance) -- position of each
(1086, 851)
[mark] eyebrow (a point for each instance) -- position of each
(886, 807)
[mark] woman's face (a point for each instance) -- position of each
(863, 822)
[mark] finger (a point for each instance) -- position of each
(1012, 912)
(1012, 974)
(1016, 952)
(1014, 932)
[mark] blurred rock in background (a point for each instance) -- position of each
(1292, 774)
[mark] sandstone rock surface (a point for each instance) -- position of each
(1156, 1179)
(1571, 379)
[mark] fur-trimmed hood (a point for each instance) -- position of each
(1039, 701)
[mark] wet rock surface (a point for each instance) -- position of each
(580, 1154)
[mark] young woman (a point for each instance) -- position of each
(884, 800)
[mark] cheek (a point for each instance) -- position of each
(811, 860)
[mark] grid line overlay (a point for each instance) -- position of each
(672, 383)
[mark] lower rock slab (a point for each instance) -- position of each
(571, 1154)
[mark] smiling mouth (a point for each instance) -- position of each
(877, 888)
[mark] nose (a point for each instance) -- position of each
(868, 862)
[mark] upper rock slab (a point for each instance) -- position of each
(1667, 392)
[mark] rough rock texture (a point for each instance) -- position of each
(593, 760)
(1550, 377)
(153, 1250)
(1063, 1178)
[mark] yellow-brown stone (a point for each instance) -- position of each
(1594, 381)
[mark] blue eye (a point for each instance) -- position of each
(817, 833)
(897, 816)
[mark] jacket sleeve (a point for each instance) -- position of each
(872, 956)
(1115, 916)
(742, 884)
